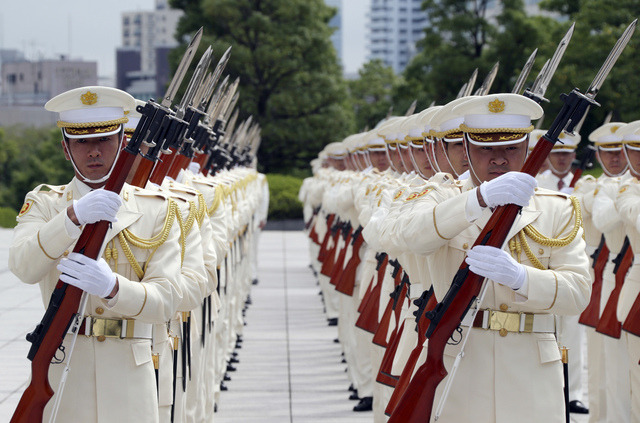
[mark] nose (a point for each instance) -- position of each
(499, 160)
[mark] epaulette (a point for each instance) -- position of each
(143, 192)
(551, 193)
(587, 178)
(58, 189)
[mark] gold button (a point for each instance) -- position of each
(535, 189)
(503, 332)
(541, 251)
(99, 310)
(504, 307)
(465, 246)
(101, 338)
(66, 253)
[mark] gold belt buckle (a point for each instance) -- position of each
(504, 322)
(109, 328)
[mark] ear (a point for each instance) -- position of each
(65, 148)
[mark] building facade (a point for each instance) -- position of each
(142, 66)
(395, 26)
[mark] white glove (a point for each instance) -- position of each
(638, 223)
(194, 167)
(510, 188)
(92, 276)
(96, 206)
(497, 265)
(567, 190)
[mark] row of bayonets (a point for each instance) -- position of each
(199, 122)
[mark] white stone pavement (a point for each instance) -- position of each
(289, 370)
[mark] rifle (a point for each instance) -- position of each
(417, 402)
(347, 279)
(591, 314)
(338, 265)
(368, 319)
(632, 322)
(322, 254)
(425, 303)
(609, 324)
(586, 161)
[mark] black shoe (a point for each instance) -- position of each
(230, 368)
(354, 396)
(234, 354)
(365, 404)
(248, 301)
(333, 321)
(254, 282)
(223, 387)
(234, 360)
(336, 340)
(226, 378)
(352, 388)
(578, 407)
(215, 408)
(343, 361)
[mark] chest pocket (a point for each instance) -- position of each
(529, 252)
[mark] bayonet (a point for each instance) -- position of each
(181, 71)
(194, 84)
(611, 60)
(412, 108)
(539, 88)
(488, 81)
(526, 69)
(462, 91)
(217, 97)
(471, 83)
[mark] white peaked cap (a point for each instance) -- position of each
(630, 134)
(606, 137)
(92, 111)
(134, 116)
(534, 137)
(373, 141)
(566, 142)
(336, 150)
(445, 121)
(506, 114)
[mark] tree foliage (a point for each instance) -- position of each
(290, 79)
(30, 157)
(371, 94)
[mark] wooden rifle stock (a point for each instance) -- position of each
(412, 361)
(609, 324)
(323, 247)
(143, 172)
(591, 315)
(162, 167)
(338, 265)
(329, 260)
(395, 301)
(368, 319)
(632, 322)
(347, 279)
(586, 161)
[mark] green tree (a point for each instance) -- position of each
(371, 93)
(30, 157)
(290, 79)
(599, 23)
(456, 36)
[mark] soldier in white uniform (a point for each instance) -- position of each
(501, 365)
(570, 334)
(135, 283)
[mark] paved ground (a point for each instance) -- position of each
(289, 368)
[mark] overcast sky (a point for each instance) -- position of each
(90, 30)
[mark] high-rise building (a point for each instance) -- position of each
(395, 26)
(141, 62)
(336, 24)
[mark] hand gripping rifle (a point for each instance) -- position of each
(62, 312)
(609, 324)
(417, 402)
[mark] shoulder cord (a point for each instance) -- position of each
(519, 243)
(125, 237)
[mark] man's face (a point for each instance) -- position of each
(379, 160)
(457, 156)
(441, 158)
(489, 162)
(394, 156)
(561, 162)
(405, 156)
(634, 161)
(421, 162)
(93, 156)
(613, 162)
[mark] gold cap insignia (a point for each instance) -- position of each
(614, 129)
(562, 135)
(496, 106)
(89, 98)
